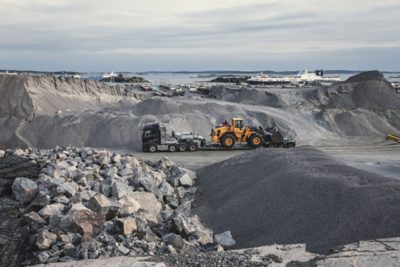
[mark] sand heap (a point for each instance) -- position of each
(299, 195)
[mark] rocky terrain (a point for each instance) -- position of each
(122, 79)
(87, 203)
(61, 200)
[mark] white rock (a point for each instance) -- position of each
(86, 195)
(52, 210)
(225, 239)
(62, 165)
(166, 189)
(192, 225)
(20, 152)
(116, 158)
(120, 189)
(186, 180)
(126, 226)
(100, 203)
(126, 171)
(61, 156)
(69, 189)
(159, 177)
(61, 199)
(150, 205)
(110, 172)
(127, 201)
(121, 248)
(45, 239)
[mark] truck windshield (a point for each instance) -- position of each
(147, 133)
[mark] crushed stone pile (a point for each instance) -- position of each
(243, 95)
(43, 111)
(364, 105)
(26, 99)
(88, 203)
(27, 96)
(300, 195)
(368, 90)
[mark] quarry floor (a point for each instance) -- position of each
(373, 155)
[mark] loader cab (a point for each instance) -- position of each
(238, 123)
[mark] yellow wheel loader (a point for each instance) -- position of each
(393, 137)
(228, 134)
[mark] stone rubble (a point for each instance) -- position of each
(225, 239)
(88, 203)
(25, 190)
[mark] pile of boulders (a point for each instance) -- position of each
(88, 203)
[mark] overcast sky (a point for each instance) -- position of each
(145, 35)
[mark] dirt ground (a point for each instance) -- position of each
(374, 155)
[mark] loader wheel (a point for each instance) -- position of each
(290, 145)
(182, 147)
(192, 147)
(172, 148)
(152, 148)
(255, 140)
(228, 141)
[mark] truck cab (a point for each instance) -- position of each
(155, 138)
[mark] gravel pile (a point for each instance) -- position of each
(89, 203)
(364, 105)
(44, 111)
(244, 95)
(214, 259)
(298, 195)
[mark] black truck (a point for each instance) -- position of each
(155, 138)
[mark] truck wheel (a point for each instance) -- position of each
(152, 148)
(281, 145)
(172, 148)
(255, 140)
(228, 141)
(192, 147)
(182, 147)
(290, 145)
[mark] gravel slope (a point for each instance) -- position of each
(299, 195)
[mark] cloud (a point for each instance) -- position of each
(228, 31)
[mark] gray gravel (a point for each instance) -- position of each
(299, 195)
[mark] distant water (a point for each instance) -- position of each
(172, 78)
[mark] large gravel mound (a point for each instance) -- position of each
(364, 105)
(46, 111)
(246, 96)
(27, 98)
(368, 90)
(299, 195)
